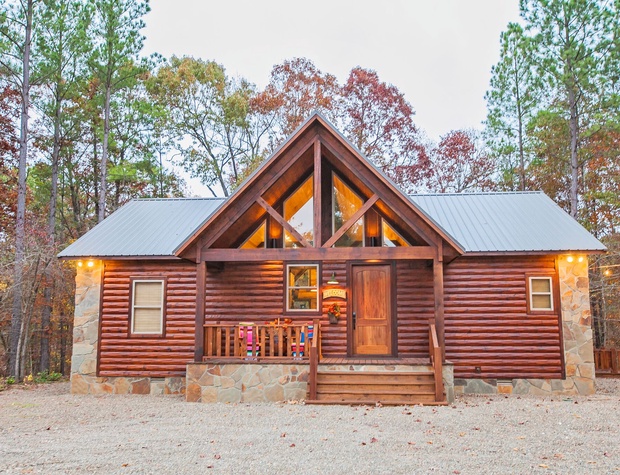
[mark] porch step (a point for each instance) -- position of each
(371, 387)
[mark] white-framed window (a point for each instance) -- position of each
(147, 307)
(302, 287)
(540, 293)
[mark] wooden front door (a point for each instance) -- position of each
(371, 310)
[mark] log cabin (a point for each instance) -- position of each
(319, 279)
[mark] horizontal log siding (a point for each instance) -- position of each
(415, 306)
(122, 355)
(255, 292)
(487, 324)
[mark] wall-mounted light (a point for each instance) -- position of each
(80, 264)
(90, 263)
(332, 280)
(580, 259)
(570, 259)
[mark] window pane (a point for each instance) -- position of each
(391, 238)
(541, 302)
(256, 240)
(299, 213)
(541, 285)
(346, 203)
(147, 294)
(302, 276)
(302, 299)
(147, 320)
(354, 237)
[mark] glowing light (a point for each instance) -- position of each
(607, 272)
(80, 263)
(580, 259)
(90, 263)
(570, 259)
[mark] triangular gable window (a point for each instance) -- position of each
(391, 238)
(257, 239)
(299, 213)
(345, 203)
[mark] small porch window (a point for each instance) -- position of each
(147, 307)
(302, 288)
(540, 298)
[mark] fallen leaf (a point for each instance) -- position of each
(292, 445)
(217, 456)
(542, 465)
(283, 434)
(373, 440)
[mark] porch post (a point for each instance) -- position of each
(438, 291)
(199, 336)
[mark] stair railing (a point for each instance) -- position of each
(436, 361)
(315, 355)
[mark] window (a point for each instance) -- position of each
(147, 307)
(299, 213)
(540, 294)
(302, 288)
(391, 238)
(256, 240)
(345, 203)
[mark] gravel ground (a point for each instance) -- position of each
(46, 430)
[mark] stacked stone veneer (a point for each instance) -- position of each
(84, 379)
(578, 344)
(254, 382)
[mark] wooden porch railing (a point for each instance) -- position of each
(607, 361)
(250, 341)
(436, 360)
(315, 356)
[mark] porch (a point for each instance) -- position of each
(248, 362)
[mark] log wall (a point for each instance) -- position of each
(124, 355)
(487, 324)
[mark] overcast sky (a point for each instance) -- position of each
(439, 53)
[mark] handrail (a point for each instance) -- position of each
(251, 341)
(436, 361)
(315, 355)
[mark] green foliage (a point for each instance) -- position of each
(46, 377)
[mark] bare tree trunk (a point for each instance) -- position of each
(16, 368)
(104, 155)
(574, 159)
(46, 313)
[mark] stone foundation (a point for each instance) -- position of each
(82, 384)
(253, 382)
(241, 382)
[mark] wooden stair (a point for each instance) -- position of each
(372, 387)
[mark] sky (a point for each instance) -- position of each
(438, 53)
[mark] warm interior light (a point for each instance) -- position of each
(569, 259)
(80, 263)
(580, 259)
(332, 280)
(90, 263)
(607, 272)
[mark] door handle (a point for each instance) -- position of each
(354, 319)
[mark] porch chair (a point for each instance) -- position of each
(246, 335)
(302, 342)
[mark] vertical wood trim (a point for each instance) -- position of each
(439, 299)
(199, 337)
(557, 296)
(318, 234)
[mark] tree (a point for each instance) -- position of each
(16, 33)
(574, 46)
(378, 120)
(62, 43)
(209, 117)
(115, 61)
(512, 99)
(296, 89)
(459, 163)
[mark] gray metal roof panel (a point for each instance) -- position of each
(144, 227)
(507, 222)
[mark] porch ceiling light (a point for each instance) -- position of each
(332, 280)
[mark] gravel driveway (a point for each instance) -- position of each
(46, 430)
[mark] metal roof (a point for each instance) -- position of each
(144, 227)
(507, 222)
(479, 222)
